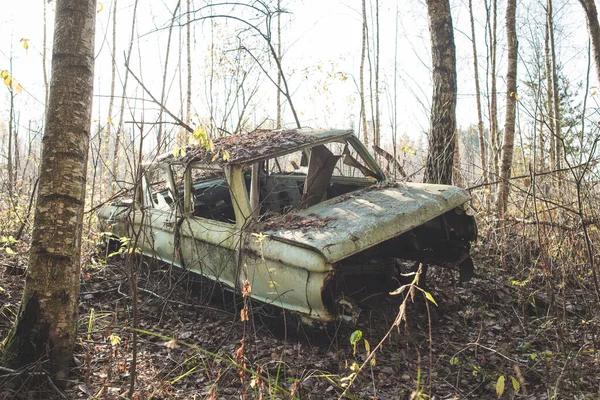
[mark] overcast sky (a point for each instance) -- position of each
(319, 37)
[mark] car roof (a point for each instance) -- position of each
(252, 147)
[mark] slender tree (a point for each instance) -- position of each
(491, 14)
(482, 150)
(160, 140)
(361, 78)
(376, 128)
(47, 320)
(511, 100)
(113, 76)
(443, 110)
(115, 160)
(278, 122)
(188, 96)
(549, 97)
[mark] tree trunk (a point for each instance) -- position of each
(363, 111)
(556, 120)
(548, 118)
(115, 160)
(377, 133)
(591, 14)
(491, 15)
(457, 174)
(188, 96)
(511, 100)
(443, 111)
(278, 122)
(478, 99)
(160, 140)
(47, 320)
(113, 74)
(44, 61)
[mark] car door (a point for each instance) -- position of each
(210, 239)
(161, 214)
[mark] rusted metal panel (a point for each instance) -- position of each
(370, 216)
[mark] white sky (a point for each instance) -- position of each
(316, 33)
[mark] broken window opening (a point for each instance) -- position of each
(211, 198)
(289, 182)
(158, 190)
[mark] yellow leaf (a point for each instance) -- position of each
(214, 157)
(110, 121)
(19, 88)
(100, 7)
(8, 81)
(373, 362)
(9, 250)
(367, 347)
(515, 383)
(3, 74)
(500, 386)
(114, 339)
(226, 155)
(430, 297)
(25, 43)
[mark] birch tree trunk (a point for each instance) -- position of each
(47, 320)
(511, 100)
(443, 111)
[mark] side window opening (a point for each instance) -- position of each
(161, 196)
(211, 198)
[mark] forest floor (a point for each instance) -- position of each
(498, 334)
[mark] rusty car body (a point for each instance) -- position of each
(309, 219)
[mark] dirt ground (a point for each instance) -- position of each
(496, 334)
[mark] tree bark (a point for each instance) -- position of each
(511, 100)
(47, 319)
(591, 14)
(443, 111)
(457, 175)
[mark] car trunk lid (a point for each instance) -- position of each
(351, 223)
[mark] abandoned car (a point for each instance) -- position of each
(309, 219)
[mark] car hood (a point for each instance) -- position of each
(348, 224)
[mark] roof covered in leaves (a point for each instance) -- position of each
(252, 147)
